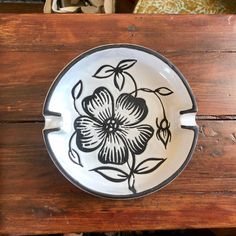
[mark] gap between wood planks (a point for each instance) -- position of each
(61, 48)
(218, 117)
(198, 117)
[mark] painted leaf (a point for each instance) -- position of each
(111, 173)
(119, 81)
(126, 64)
(104, 72)
(74, 156)
(77, 90)
(164, 91)
(148, 165)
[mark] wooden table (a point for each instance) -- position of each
(36, 198)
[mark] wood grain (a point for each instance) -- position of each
(211, 77)
(35, 191)
(36, 198)
(81, 32)
(36, 7)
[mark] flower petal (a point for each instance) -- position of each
(89, 134)
(137, 137)
(130, 110)
(114, 150)
(99, 105)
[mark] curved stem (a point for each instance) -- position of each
(128, 165)
(163, 109)
(133, 162)
(143, 90)
(71, 140)
(76, 107)
(135, 85)
(147, 90)
(73, 154)
(131, 178)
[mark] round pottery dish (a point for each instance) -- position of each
(120, 121)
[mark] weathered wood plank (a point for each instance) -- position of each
(27, 76)
(34, 48)
(80, 32)
(33, 190)
(21, 7)
(79, 212)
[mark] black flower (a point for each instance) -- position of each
(113, 126)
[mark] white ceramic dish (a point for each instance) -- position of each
(120, 121)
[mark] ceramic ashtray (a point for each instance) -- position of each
(120, 121)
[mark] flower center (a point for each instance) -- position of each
(110, 125)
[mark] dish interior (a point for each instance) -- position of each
(120, 82)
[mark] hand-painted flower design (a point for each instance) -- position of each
(113, 126)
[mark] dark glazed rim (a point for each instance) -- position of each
(47, 112)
